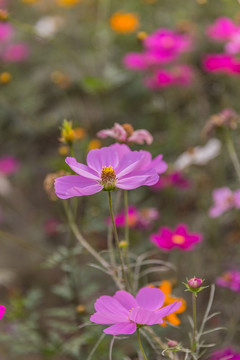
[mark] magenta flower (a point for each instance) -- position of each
(221, 63)
(125, 313)
(222, 30)
(15, 53)
(224, 199)
(2, 311)
(6, 32)
(225, 354)
(126, 133)
(175, 178)
(105, 170)
(230, 279)
(141, 219)
(195, 283)
(168, 239)
(177, 75)
(8, 165)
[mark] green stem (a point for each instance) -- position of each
(126, 216)
(116, 238)
(140, 345)
(233, 153)
(194, 308)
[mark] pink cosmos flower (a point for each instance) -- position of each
(224, 199)
(230, 279)
(222, 29)
(177, 75)
(221, 63)
(15, 53)
(105, 170)
(126, 133)
(168, 239)
(169, 43)
(125, 313)
(8, 165)
(137, 218)
(6, 32)
(225, 354)
(233, 46)
(2, 311)
(175, 178)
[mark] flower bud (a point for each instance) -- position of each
(80, 309)
(123, 244)
(172, 343)
(195, 283)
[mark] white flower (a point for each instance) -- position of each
(48, 26)
(199, 155)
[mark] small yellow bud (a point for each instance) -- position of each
(80, 309)
(63, 150)
(94, 144)
(123, 244)
(141, 35)
(5, 77)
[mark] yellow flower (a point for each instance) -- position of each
(63, 150)
(79, 133)
(166, 288)
(94, 144)
(68, 3)
(5, 77)
(141, 35)
(124, 22)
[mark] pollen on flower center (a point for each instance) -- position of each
(178, 239)
(108, 177)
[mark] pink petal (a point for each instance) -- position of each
(137, 179)
(150, 298)
(141, 136)
(126, 299)
(108, 318)
(121, 149)
(81, 169)
(128, 163)
(2, 311)
(144, 317)
(98, 158)
(169, 309)
(126, 328)
(109, 304)
(159, 165)
(75, 185)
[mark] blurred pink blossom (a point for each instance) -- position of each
(167, 239)
(6, 31)
(140, 219)
(8, 165)
(2, 311)
(224, 199)
(225, 354)
(125, 133)
(177, 75)
(230, 279)
(15, 53)
(222, 63)
(175, 178)
(222, 29)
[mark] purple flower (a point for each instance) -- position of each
(225, 354)
(15, 53)
(168, 239)
(177, 75)
(124, 312)
(6, 31)
(106, 169)
(175, 178)
(224, 199)
(195, 283)
(8, 165)
(221, 63)
(2, 311)
(141, 219)
(230, 279)
(222, 29)
(126, 133)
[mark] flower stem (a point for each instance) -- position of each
(126, 217)
(233, 153)
(116, 238)
(140, 345)
(194, 308)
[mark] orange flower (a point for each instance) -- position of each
(166, 288)
(124, 22)
(68, 3)
(94, 144)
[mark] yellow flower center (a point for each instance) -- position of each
(129, 129)
(178, 239)
(108, 178)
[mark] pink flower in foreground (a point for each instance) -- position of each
(224, 199)
(6, 31)
(230, 279)
(8, 165)
(2, 311)
(125, 313)
(225, 354)
(137, 218)
(222, 63)
(105, 170)
(126, 133)
(168, 239)
(15, 53)
(222, 29)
